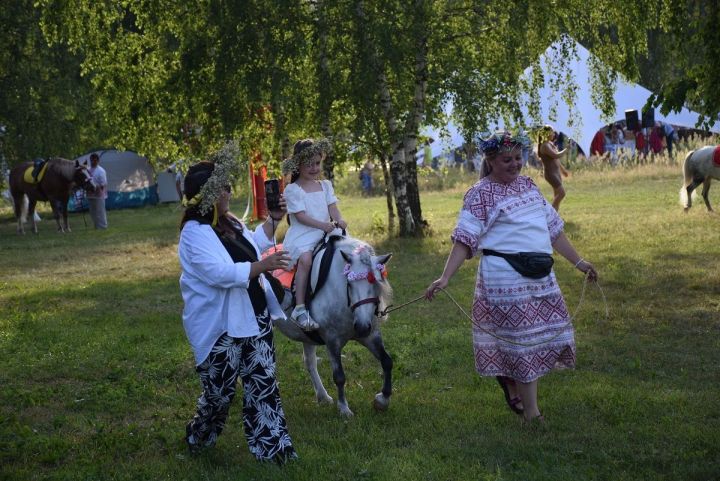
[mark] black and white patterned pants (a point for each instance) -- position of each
(253, 359)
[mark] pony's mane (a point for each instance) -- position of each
(364, 252)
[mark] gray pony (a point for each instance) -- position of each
(700, 167)
(349, 306)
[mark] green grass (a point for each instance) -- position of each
(97, 378)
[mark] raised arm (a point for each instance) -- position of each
(549, 150)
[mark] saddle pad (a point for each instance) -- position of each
(27, 175)
(285, 277)
(716, 156)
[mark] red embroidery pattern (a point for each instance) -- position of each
(526, 368)
(545, 310)
(465, 238)
(528, 322)
(484, 195)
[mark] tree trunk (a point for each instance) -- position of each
(398, 173)
(414, 121)
(386, 176)
(388, 192)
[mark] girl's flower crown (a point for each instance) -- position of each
(305, 156)
(503, 141)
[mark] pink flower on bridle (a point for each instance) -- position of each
(357, 276)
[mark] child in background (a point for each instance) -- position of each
(313, 212)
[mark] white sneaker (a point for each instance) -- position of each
(301, 317)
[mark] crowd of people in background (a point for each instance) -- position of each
(616, 141)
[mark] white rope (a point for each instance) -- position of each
(510, 341)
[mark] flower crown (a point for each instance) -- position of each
(305, 156)
(226, 173)
(503, 141)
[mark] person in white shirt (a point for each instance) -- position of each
(96, 198)
(228, 313)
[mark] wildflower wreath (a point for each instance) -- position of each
(292, 164)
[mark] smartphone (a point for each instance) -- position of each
(272, 194)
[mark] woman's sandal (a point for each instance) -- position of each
(511, 402)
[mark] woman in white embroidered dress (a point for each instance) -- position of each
(521, 327)
(312, 208)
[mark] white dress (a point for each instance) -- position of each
(529, 315)
(300, 237)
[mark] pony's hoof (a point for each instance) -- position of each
(381, 402)
(346, 412)
(324, 399)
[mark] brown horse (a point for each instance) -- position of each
(58, 180)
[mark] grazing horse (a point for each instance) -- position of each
(347, 307)
(700, 167)
(54, 186)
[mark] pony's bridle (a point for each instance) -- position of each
(357, 276)
(369, 300)
(87, 178)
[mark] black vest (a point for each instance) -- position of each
(241, 250)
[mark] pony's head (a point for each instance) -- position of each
(368, 291)
(82, 177)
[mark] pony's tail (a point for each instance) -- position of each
(687, 178)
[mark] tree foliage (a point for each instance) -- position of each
(46, 107)
(174, 78)
(686, 47)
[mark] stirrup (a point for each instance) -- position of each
(303, 320)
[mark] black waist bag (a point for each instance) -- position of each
(534, 265)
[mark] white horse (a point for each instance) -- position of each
(347, 307)
(700, 167)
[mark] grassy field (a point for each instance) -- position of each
(97, 378)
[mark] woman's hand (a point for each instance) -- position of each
(436, 285)
(278, 214)
(328, 227)
(276, 260)
(341, 224)
(588, 269)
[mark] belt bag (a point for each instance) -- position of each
(534, 265)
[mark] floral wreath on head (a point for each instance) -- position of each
(226, 173)
(503, 141)
(545, 133)
(305, 156)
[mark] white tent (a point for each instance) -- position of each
(131, 179)
(581, 121)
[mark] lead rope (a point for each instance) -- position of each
(390, 309)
